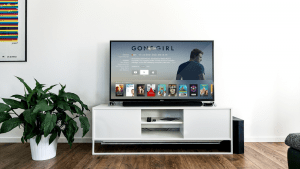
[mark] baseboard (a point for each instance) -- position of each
(89, 139)
(60, 140)
(265, 139)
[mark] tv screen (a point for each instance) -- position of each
(161, 70)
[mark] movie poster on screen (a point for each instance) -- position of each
(129, 90)
(193, 90)
(182, 91)
(172, 90)
(119, 90)
(162, 90)
(13, 38)
(203, 89)
(150, 90)
(140, 90)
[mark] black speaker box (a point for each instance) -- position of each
(238, 135)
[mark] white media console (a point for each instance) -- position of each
(118, 124)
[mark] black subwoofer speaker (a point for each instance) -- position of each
(238, 135)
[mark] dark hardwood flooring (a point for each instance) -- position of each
(257, 155)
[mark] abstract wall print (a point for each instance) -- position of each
(13, 30)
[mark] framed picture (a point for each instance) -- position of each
(13, 30)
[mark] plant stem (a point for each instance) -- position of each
(15, 112)
(75, 117)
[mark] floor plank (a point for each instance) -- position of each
(271, 154)
(257, 155)
(278, 147)
(258, 159)
(239, 161)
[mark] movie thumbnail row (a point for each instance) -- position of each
(149, 90)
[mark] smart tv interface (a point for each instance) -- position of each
(161, 70)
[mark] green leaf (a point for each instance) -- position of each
(30, 95)
(10, 124)
(27, 87)
(49, 88)
(58, 131)
(4, 107)
(38, 85)
(28, 131)
(44, 96)
(78, 110)
(4, 116)
(71, 96)
(39, 88)
(19, 97)
(22, 139)
(62, 90)
(30, 117)
(53, 137)
(14, 104)
(85, 125)
(38, 139)
(84, 106)
(70, 131)
(49, 123)
(42, 106)
(41, 116)
(68, 118)
(63, 105)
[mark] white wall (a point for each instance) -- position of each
(256, 52)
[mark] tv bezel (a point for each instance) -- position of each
(165, 100)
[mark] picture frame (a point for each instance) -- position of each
(13, 31)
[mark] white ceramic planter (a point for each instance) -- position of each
(43, 151)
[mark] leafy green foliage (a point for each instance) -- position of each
(14, 104)
(38, 139)
(44, 113)
(26, 86)
(42, 106)
(4, 116)
(70, 131)
(63, 105)
(52, 138)
(10, 124)
(19, 97)
(29, 117)
(49, 123)
(4, 107)
(85, 125)
(29, 131)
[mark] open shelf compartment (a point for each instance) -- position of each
(159, 121)
(162, 129)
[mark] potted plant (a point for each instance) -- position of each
(44, 117)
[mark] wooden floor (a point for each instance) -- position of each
(257, 155)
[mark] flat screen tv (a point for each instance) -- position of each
(162, 71)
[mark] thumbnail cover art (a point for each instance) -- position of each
(211, 89)
(119, 89)
(140, 90)
(172, 90)
(182, 91)
(203, 89)
(193, 90)
(162, 90)
(150, 90)
(129, 90)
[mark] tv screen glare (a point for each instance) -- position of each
(162, 71)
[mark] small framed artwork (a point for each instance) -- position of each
(13, 30)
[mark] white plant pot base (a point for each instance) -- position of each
(43, 151)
